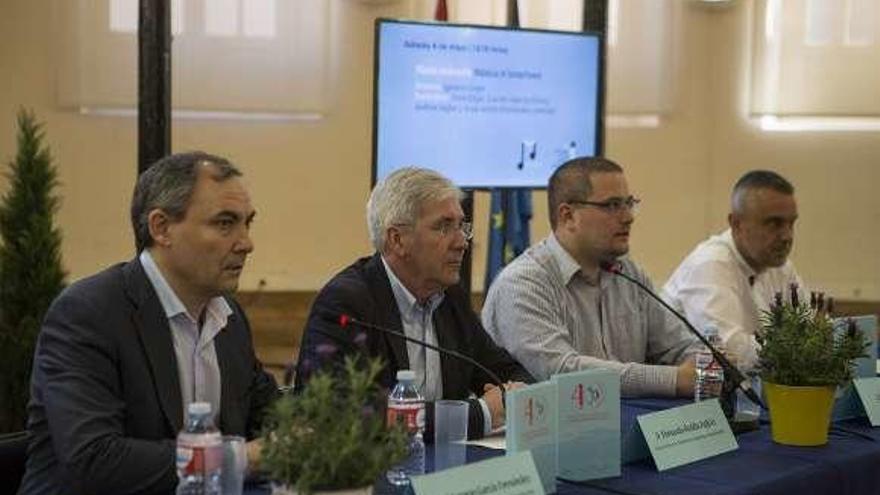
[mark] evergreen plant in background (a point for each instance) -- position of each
(30, 265)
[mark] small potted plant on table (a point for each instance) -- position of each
(803, 357)
(332, 437)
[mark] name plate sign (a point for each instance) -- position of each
(589, 424)
(531, 420)
(869, 393)
(686, 434)
(507, 475)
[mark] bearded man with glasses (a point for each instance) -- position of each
(410, 285)
(555, 310)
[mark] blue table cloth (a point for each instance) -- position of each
(848, 464)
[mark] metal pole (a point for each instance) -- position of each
(154, 81)
(596, 20)
(467, 205)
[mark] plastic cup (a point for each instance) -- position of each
(450, 433)
(746, 410)
(234, 464)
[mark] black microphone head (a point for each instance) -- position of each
(344, 320)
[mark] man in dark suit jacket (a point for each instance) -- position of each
(409, 285)
(121, 353)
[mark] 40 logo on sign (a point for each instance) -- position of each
(535, 412)
(590, 396)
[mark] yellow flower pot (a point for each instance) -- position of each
(799, 415)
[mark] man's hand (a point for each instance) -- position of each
(492, 396)
(253, 454)
(684, 379)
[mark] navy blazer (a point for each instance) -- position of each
(105, 397)
(363, 291)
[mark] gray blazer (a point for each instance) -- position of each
(105, 397)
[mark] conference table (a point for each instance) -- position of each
(848, 464)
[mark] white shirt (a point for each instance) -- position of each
(197, 366)
(715, 285)
(418, 323)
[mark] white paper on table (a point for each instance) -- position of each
(494, 440)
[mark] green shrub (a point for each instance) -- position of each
(333, 434)
(30, 265)
(800, 346)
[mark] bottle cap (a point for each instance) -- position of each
(406, 375)
(199, 408)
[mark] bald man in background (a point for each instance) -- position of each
(729, 280)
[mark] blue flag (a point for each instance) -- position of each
(509, 216)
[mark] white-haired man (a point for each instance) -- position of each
(410, 285)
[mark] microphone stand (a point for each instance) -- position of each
(731, 372)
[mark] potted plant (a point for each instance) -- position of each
(802, 359)
(332, 436)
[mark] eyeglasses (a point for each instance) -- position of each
(613, 205)
(447, 227)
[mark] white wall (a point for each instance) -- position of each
(310, 180)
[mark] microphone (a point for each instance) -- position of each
(344, 320)
(729, 369)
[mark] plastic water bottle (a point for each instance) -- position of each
(709, 374)
(199, 453)
(406, 406)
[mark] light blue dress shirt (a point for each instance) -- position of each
(418, 322)
(197, 366)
